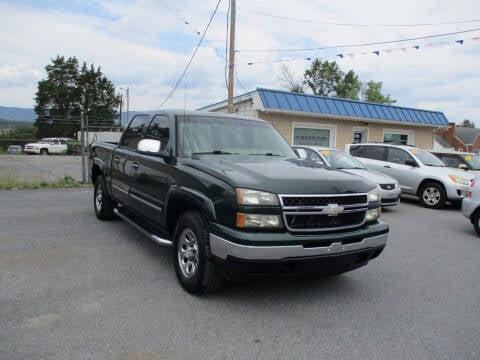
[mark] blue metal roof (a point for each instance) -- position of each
(289, 101)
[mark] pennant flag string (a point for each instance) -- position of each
(375, 52)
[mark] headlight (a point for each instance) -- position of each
(459, 179)
(255, 197)
(258, 221)
(374, 195)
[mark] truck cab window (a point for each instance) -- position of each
(134, 132)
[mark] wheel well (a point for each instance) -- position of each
(44, 149)
(428, 181)
(176, 207)
(95, 172)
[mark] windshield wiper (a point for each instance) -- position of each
(267, 154)
(214, 152)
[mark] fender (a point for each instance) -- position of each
(193, 197)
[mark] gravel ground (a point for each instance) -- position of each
(36, 167)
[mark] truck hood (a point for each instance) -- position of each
(277, 175)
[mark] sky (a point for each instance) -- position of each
(426, 53)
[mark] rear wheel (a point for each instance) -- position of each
(476, 221)
(432, 195)
(102, 202)
(193, 266)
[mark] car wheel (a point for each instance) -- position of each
(102, 202)
(432, 195)
(44, 152)
(476, 221)
(193, 266)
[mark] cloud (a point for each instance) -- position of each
(145, 45)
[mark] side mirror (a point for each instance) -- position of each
(149, 146)
(411, 162)
(154, 147)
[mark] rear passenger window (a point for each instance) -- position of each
(134, 132)
(370, 152)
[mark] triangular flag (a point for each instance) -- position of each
(459, 41)
(417, 47)
(340, 55)
(376, 53)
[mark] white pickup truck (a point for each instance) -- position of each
(47, 146)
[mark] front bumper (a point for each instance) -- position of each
(468, 207)
(223, 249)
(457, 192)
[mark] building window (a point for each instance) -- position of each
(398, 137)
(314, 135)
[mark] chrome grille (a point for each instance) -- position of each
(311, 213)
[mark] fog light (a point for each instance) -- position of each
(258, 221)
(373, 214)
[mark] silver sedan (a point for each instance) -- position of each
(338, 159)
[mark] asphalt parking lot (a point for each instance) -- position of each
(72, 287)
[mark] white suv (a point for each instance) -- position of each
(418, 171)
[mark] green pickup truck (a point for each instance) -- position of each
(233, 199)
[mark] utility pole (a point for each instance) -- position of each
(83, 147)
(231, 57)
(128, 102)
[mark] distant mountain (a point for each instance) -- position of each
(17, 114)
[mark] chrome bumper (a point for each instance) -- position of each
(223, 248)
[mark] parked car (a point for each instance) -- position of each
(340, 160)
(14, 149)
(460, 160)
(419, 172)
(48, 146)
(471, 205)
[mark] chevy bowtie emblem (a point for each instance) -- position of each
(332, 210)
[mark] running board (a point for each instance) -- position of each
(151, 236)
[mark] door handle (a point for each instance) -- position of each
(387, 166)
(116, 159)
(135, 165)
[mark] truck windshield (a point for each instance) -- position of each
(225, 135)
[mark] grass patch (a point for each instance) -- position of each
(11, 181)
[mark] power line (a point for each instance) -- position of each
(358, 45)
(192, 57)
(357, 25)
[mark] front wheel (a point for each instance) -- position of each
(193, 265)
(44, 152)
(102, 202)
(432, 195)
(476, 221)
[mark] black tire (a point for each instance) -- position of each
(44, 152)
(476, 221)
(432, 195)
(102, 202)
(193, 266)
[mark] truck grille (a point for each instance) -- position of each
(323, 212)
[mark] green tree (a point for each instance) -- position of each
(373, 93)
(467, 123)
(323, 77)
(349, 86)
(67, 92)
